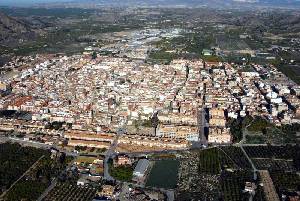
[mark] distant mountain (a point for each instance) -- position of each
(9, 25)
(13, 31)
(189, 3)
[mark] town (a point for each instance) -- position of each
(140, 117)
(157, 106)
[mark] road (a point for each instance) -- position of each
(245, 133)
(36, 144)
(52, 185)
(201, 126)
(45, 193)
(110, 153)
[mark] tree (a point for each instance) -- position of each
(94, 55)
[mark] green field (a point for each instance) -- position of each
(163, 174)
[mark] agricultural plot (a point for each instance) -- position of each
(209, 161)
(274, 158)
(195, 181)
(16, 160)
(232, 184)
(285, 181)
(36, 180)
(274, 164)
(279, 152)
(231, 44)
(65, 191)
(202, 174)
(163, 174)
(292, 71)
(26, 190)
(237, 155)
(255, 44)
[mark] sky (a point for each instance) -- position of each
(30, 2)
(25, 2)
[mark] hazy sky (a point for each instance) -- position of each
(24, 2)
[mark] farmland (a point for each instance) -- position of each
(280, 152)
(206, 174)
(15, 160)
(231, 184)
(66, 191)
(285, 181)
(226, 43)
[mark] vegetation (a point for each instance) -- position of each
(262, 131)
(236, 129)
(209, 161)
(237, 126)
(259, 124)
(237, 157)
(94, 55)
(163, 156)
(67, 191)
(15, 160)
(54, 125)
(269, 133)
(255, 139)
(122, 173)
(232, 185)
(149, 123)
(33, 184)
(211, 58)
(285, 181)
(163, 56)
(290, 71)
(278, 152)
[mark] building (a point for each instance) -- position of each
(207, 52)
(82, 182)
(122, 160)
(141, 168)
(250, 187)
(90, 144)
(189, 133)
(107, 191)
(219, 136)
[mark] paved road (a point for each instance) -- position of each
(52, 185)
(45, 193)
(36, 144)
(201, 125)
(110, 153)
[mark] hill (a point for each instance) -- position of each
(13, 30)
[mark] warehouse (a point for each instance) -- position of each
(141, 168)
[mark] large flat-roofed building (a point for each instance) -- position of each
(94, 144)
(141, 168)
(90, 136)
(219, 136)
(166, 143)
(189, 133)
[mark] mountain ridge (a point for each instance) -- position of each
(210, 3)
(13, 29)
